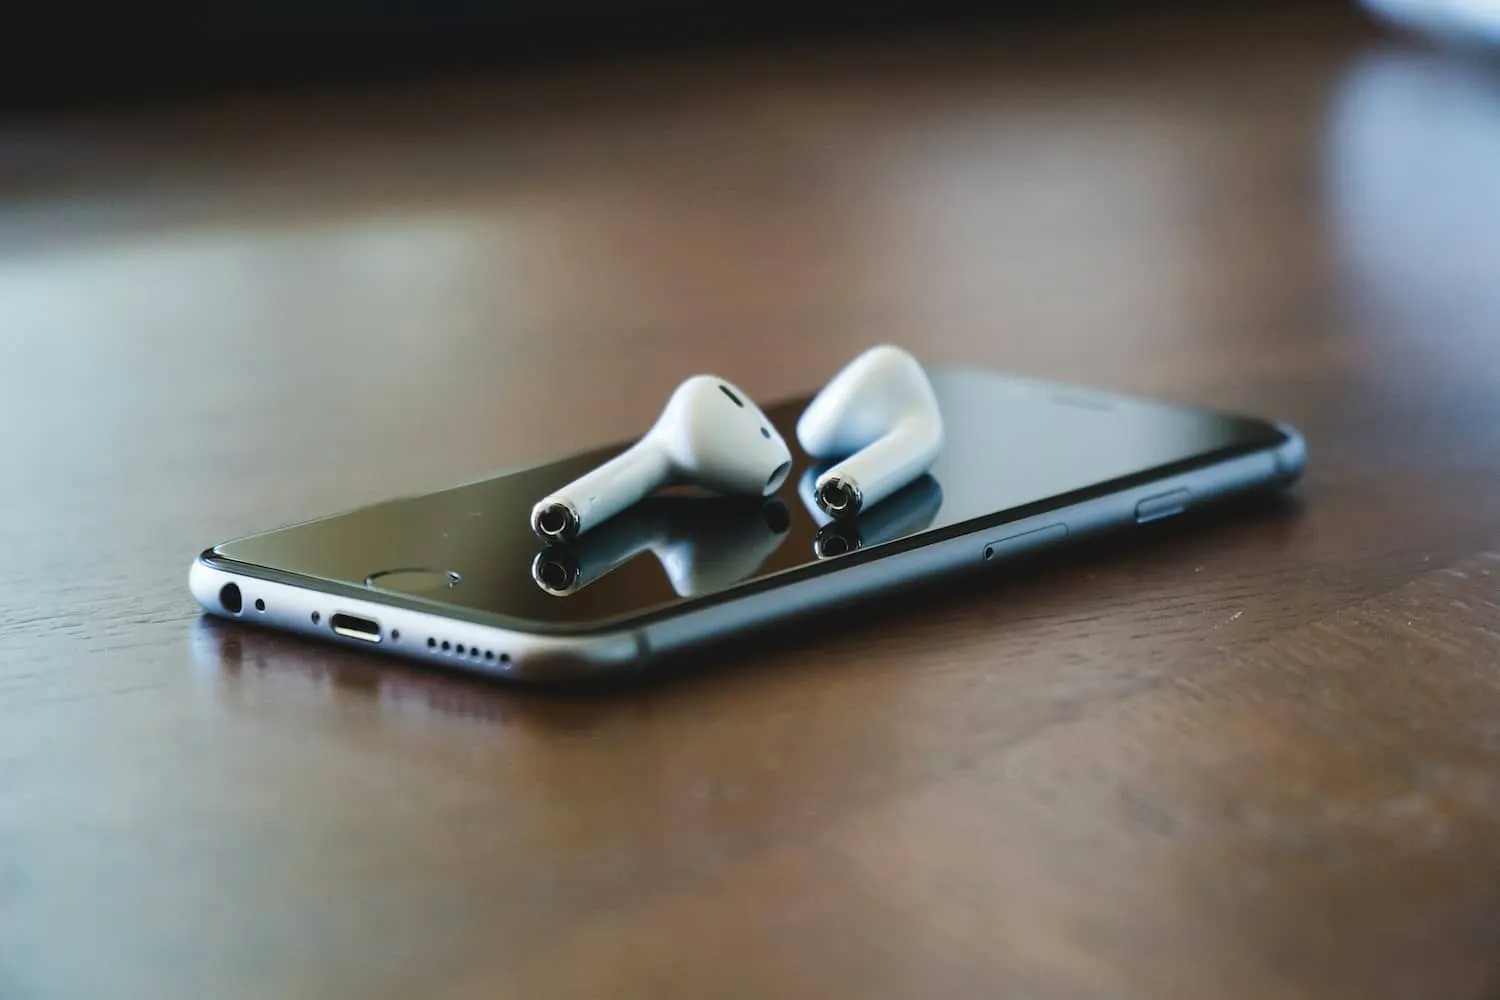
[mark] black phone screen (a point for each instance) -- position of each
(1011, 444)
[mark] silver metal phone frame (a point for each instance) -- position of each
(526, 656)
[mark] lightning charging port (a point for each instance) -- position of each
(355, 628)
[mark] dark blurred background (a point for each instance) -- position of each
(91, 51)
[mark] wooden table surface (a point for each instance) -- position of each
(1249, 757)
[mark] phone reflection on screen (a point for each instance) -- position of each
(907, 511)
(703, 544)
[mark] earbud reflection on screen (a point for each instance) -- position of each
(703, 544)
(880, 418)
(909, 510)
(709, 435)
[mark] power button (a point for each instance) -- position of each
(1162, 505)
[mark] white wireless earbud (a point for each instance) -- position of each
(703, 545)
(878, 415)
(709, 435)
(907, 511)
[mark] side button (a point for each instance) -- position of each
(1010, 545)
(1162, 506)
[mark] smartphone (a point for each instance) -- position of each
(457, 578)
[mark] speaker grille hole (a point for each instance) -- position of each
(462, 649)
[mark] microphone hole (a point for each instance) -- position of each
(554, 574)
(260, 604)
(553, 520)
(834, 545)
(835, 496)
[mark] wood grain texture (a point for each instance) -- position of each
(1252, 757)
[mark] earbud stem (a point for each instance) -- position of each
(604, 492)
(883, 467)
